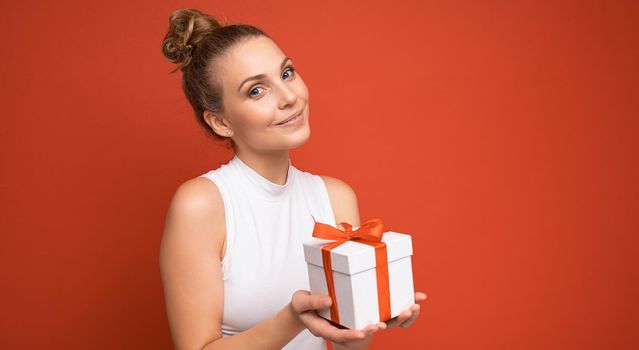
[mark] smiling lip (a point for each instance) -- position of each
(291, 117)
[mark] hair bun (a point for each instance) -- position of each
(187, 29)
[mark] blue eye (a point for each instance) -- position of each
(291, 69)
(253, 89)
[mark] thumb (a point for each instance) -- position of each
(303, 301)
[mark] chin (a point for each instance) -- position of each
(300, 138)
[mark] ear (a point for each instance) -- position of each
(217, 122)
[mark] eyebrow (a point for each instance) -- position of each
(261, 76)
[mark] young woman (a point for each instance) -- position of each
(231, 258)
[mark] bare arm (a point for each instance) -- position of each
(190, 266)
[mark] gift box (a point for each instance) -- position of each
(366, 271)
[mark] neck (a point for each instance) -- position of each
(272, 166)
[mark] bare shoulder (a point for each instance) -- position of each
(198, 193)
(343, 200)
(337, 186)
(197, 212)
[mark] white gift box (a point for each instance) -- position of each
(355, 278)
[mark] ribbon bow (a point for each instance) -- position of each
(370, 233)
(372, 230)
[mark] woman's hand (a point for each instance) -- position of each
(407, 317)
(304, 305)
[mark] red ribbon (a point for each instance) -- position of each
(369, 233)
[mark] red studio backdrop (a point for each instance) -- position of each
(503, 136)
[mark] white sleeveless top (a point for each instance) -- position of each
(266, 224)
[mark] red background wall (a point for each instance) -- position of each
(502, 135)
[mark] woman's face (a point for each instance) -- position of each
(261, 89)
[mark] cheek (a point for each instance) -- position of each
(254, 115)
(302, 88)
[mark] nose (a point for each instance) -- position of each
(287, 95)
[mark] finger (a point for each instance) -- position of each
(313, 322)
(379, 326)
(399, 319)
(322, 328)
(415, 309)
(343, 335)
(371, 329)
(419, 296)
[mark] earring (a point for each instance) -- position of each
(229, 132)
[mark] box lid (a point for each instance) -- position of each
(352, 257)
